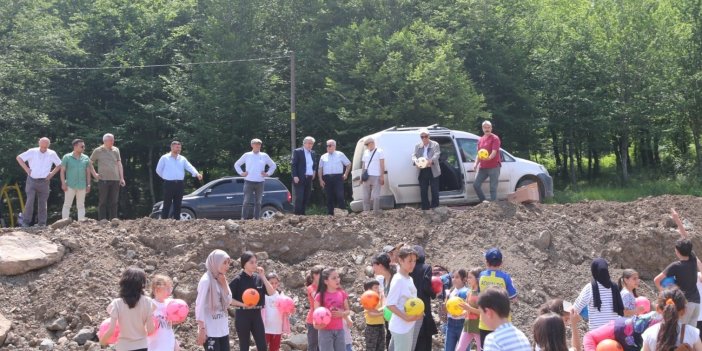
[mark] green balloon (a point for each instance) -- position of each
(387, 314)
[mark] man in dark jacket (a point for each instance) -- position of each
(426, 327)
(303, 171)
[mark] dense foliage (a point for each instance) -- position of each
(567, 80)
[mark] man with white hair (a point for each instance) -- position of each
(39, 174)
(426, 158)
(255, 163)
(487, 167)
(334, 168)
(110, 175)
(303, 171)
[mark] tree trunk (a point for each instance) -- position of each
(624, 154)
(698, 145)
(566, 152)
(571, 156)
(556, 151)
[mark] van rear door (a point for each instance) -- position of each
(468, 149)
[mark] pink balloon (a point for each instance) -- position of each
(642, 301)
(321, 315)
(286, 305)
(104, 326)
(177, 311)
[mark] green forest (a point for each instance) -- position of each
(592, 88)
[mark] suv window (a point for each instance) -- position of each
(274, 185)
(226, 187)
(468, 148)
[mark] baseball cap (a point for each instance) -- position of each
(388, 248)
(493, 256)
(567, 306)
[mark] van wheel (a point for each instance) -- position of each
(527, 181)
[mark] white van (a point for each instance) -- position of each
(458, 153)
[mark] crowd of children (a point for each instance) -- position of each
(617, 317)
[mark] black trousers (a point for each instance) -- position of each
(303, 191)
(483, 335)
(172, 194)
(217, 344)
(334, 188)
(427, 180)
(247, 323)
(108, 199)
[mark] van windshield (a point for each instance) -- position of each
(358, 156)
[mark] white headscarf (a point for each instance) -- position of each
(214, 261)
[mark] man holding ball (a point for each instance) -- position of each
(426, 158)
(487, 166)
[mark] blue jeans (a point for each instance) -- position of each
(253, 195)
(331, 340)
(453, 333)
(484, 173)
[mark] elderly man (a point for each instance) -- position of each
(334, 169)
(75, 179)
(110, 176)
(426, 158)
(255, 162)
(373, 164)
(488, 167)
(171, 168)
(303, 171)
(39, 173)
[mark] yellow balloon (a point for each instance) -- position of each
(453, 306)
(483, 154)
(414, 307)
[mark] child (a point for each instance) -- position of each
(330, 295)
(348, 338)
(455, 323)
(213, 298)
(550, 333)
(248, 319)
(601, 297)
(312, 281)
(375, 323)
(685, 272)
(401, 289)
(494, 277)
(561, 308)
(628, 283)
(671, 332)
(470, 326)
(276, 323)
(494, 313)
(132, 310)
(164, 338)
(620, 330)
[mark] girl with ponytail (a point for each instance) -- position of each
(670, 334)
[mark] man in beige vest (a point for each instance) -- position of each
(110, 175)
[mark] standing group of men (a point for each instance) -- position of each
(332, 170)
(77, 171)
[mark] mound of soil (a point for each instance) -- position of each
(547, 250)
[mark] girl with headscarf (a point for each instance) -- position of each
(601, 297)
(213, 298)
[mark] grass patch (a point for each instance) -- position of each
(636, 188)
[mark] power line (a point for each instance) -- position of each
(184, 64)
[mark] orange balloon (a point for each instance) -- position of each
(370, 300)
(250, 297)
(609, 345)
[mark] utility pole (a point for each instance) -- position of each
(293, 109)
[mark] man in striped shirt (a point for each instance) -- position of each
(494, 312)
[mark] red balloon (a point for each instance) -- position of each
(609, 345)
(250, 297)
(370, 300)
(436, 284)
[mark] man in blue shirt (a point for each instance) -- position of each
(171, 167)
(303, 171)
(255, 163)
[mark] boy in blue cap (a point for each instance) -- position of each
(493, 276)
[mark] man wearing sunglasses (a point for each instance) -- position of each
(334, 169)
(426, 158)
(75, 179)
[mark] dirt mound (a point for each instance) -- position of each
(547, 251)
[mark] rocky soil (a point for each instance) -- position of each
(547, 249)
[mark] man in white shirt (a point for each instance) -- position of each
(39, 174)
(171, 168)
(334, 168)
(374, 165)
(303, 171)
(255, 162)
(428, 151)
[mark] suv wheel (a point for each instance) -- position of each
(186, 215)
(267, 212)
